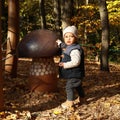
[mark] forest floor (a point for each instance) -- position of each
(102, 94)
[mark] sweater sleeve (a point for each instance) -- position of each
(75, 59)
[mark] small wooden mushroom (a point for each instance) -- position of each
(40, 45)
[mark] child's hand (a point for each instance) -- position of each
(58, 42)
(61, 64)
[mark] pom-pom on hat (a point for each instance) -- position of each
(71, 29)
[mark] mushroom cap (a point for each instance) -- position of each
(38, 43)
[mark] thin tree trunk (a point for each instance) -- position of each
(105, 35)
(42, 13)
(3, 15)
(66, 12)
(1, 75)
(85, 30)
(57, 16)
(13, 37)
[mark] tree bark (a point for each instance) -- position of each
(3, 15)
(57, 16)
(42, 13)
(13, 37)
(66, 12)
(1, 75)
(104, 64)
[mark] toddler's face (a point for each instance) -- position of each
(69, 38)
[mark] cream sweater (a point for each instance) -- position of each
(75, 59)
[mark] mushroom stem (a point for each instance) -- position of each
(43, 75)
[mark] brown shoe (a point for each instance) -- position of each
(67, 104)
(77, 101)
(80, 101)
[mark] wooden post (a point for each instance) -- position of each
(13, 37)
(1, 76)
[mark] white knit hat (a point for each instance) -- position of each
(72, 29)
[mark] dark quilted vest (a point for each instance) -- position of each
(76, 72)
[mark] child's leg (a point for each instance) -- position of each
(80, 91)
(70, 95)
(69, 90)
(70, 86)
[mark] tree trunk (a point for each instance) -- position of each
(13, 37)
(85, 29)
(57, 16)
(1, 76)
(66, 12)
(105, 35)
(3, 21)
(42, 13)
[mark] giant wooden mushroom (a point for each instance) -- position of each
(40, 45)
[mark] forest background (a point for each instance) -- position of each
(84, 15)
(24, 16)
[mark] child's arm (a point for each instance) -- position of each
(75, 59)
(60, 44)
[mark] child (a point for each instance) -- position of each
(71, 66)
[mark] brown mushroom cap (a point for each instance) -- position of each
(38, 43)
